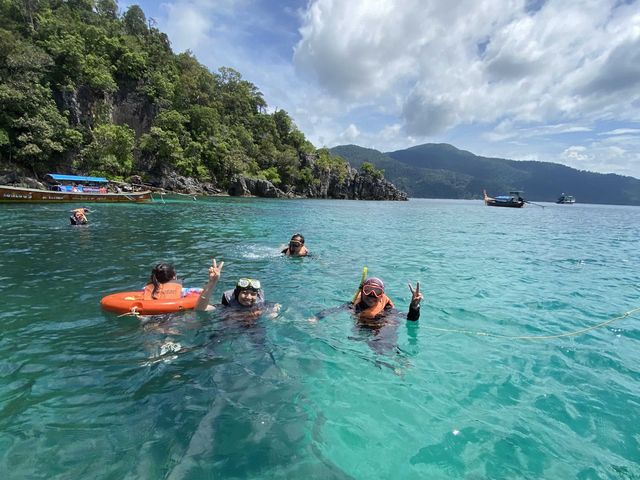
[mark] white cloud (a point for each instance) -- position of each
(475, 61)
(622, 131)
(186, 25)
(576, 154)
(352, 132)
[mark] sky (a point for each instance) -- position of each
(554, 80)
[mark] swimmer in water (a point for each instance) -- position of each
(296, 247)
(247, 298)
(79, 216)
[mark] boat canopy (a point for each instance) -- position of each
(75, 178)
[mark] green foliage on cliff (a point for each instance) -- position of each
(84, 89)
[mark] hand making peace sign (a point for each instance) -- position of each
(215, 270)
(416, 296)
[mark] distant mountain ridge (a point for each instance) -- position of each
(439, 170)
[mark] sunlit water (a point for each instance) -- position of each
(88, 394)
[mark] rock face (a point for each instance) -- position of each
(16, 177)
(172, 182)
(355, 186)
(352, 186)
(246, 187)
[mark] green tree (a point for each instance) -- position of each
(368, 169)
(111, 151)
(135, 22)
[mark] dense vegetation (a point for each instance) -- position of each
(443, 171)
(84, 89)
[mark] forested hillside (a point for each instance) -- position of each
(86, 90)
(443, 171)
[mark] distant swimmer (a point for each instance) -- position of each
(79, 216)
(247, 298)
(296, 247)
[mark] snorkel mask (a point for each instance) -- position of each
(248, 284)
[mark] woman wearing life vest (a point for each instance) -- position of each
(372, 307)
(247, 298)
(371, 302)
(377, 319)
(162, 284)
(296, 247)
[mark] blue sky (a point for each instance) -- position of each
(555, 81)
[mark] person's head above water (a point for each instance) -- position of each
(161, 273)
(372, 290)
(297, 240)
(296, 246)
(247, 292)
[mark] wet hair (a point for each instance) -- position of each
(297, 235)
(161, 273)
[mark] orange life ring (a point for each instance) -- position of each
(132, 302)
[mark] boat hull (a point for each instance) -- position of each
(10, 194)
(504, 200)
(493, 203)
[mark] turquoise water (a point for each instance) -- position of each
(88, 394)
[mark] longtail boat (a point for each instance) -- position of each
(513, 200)
(70, 188)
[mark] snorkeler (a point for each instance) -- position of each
(371, 306)
(377, 319)
(371, 302)
(79, 216)
(296, 247)
(247, 297)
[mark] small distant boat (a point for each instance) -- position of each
(70, 188)
(513, 200)
(566, 199)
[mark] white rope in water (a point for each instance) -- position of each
(133, 312)
(534, 337)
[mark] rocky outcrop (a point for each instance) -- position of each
(19, 179)
(353, 185)
(133, 109)
(172, 182)
(246, 187)
(124, 107)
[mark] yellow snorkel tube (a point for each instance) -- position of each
(364, 276)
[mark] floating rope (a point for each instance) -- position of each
(133, 312)
(535, 337)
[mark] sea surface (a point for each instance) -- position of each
(519, 367)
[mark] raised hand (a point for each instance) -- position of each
(215, 270)
(416, 296)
